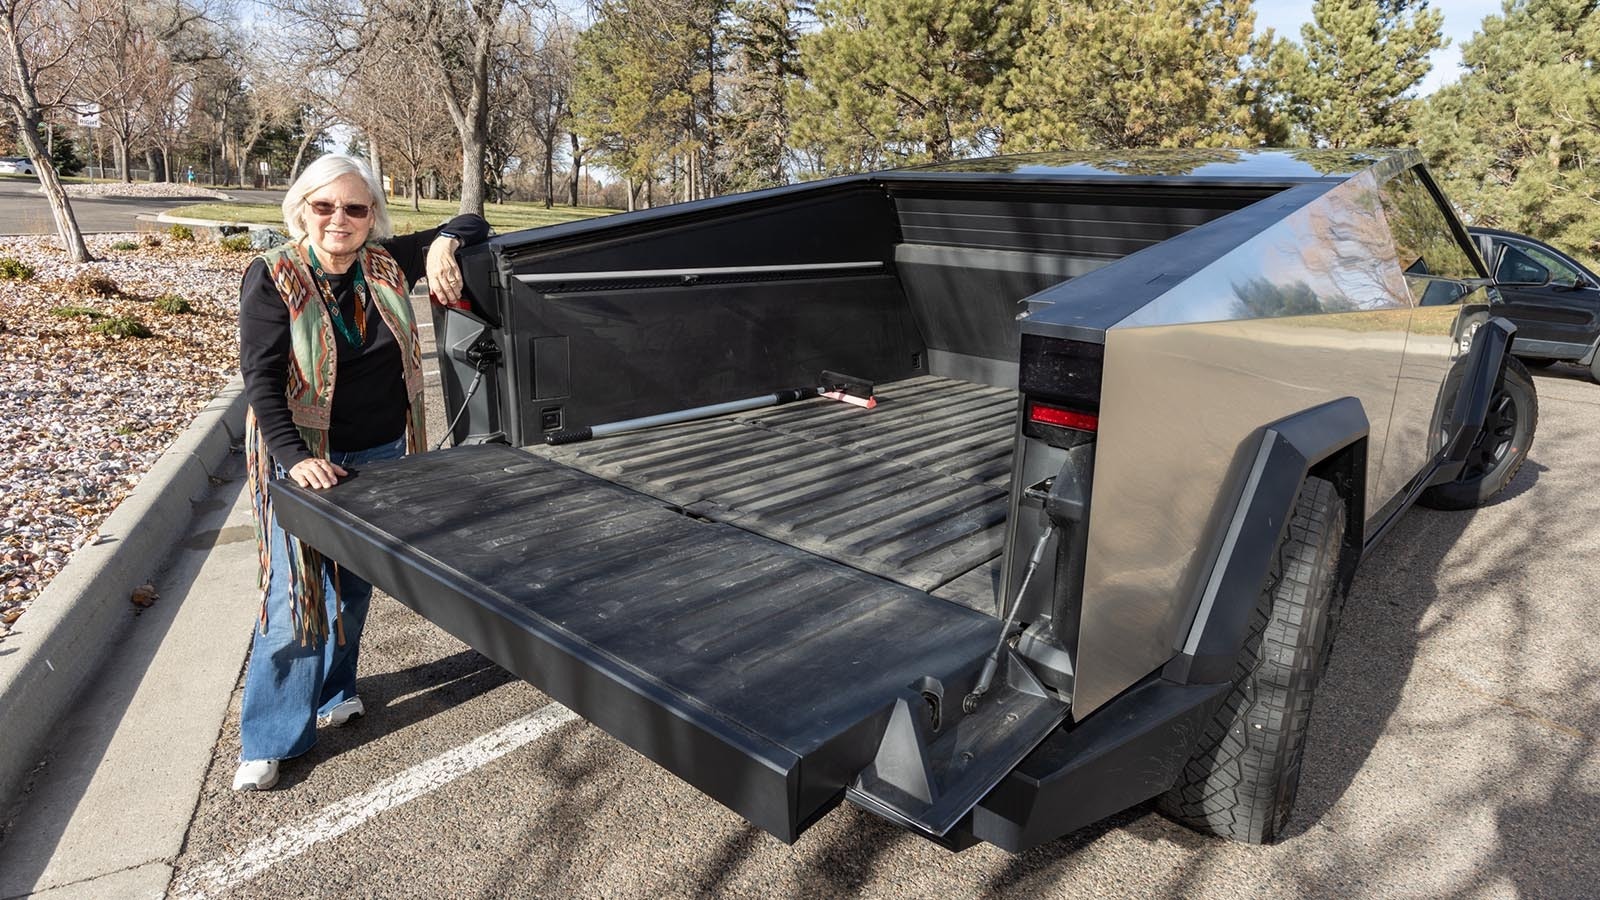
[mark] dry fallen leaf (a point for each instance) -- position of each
(11, 615)
(144, 595)
(84, 415)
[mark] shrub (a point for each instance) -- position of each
(124, 245)
(89, 283)
(236, 243)
(180, 232)
(75, 312)
(150, 241)
(121, 327)
(172, 304)
(12, 269)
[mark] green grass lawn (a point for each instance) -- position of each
(503, 217)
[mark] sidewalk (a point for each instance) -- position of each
(110, 711)
(108, 812)
(130, 719)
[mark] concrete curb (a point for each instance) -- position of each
(166, 219)
(73, 626)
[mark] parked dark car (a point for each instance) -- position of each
(1137, 419)
(1553, 299)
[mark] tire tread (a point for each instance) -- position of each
(1242, 779)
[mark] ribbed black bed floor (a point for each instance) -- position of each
(914, 490)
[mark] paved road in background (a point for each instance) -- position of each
(1454, 751)
(23, 210)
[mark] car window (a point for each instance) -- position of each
(1561, 272)
(1423, 239)
(1517, 267)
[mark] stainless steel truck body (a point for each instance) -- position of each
(1138, 418)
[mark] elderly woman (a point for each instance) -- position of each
(330, 308)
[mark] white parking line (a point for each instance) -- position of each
(294, 839)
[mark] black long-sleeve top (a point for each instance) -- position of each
(369, 399)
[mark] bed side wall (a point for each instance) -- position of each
(1313, 309)
(682, 330)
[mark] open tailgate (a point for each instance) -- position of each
(770, 678)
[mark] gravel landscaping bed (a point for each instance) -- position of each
(141, 189)
(84, 408)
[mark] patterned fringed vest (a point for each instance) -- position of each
(312, 369)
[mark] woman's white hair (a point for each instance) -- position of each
(324, 171)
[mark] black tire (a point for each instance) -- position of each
(1241, 781)
(1501, 447)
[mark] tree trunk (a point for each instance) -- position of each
(416, 189)
(473, 149)
(119, 149)
(549, 171)
(375, 158)
(577, 171)
(299, 155)
(66, 223)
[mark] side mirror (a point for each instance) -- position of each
(1517, 269)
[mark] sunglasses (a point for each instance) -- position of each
(353, 210)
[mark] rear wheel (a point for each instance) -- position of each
(1501, 446)
(1241, 781)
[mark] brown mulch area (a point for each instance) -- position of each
(84, 412)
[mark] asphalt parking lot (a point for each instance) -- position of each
(1453, 752)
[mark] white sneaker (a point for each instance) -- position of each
(256, 775)
(342, 713)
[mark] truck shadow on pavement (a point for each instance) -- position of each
(396, 700)
(1452, 745)
(1451, 657)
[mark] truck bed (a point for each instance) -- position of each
(915, 490)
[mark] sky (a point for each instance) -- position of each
(1461, 19)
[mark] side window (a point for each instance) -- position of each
(1517, 267)
(1422, 235)
(1561, 272)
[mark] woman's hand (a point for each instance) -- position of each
(444, 275)
(316, 473)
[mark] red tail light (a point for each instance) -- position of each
(1063, 418)
(462, 303)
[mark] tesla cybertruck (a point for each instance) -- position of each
(993, 497)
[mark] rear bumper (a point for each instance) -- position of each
(1128, 751)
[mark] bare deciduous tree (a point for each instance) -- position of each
(458, 39)
(42, 52)
(412, 124)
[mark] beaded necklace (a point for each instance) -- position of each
(355, 333)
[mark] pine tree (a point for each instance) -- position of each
(764, 38)
(895, 82)
(1361, 60)
(1140, 73)
(1515, 141)
(645, 95)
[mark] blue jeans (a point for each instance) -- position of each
(288, 685)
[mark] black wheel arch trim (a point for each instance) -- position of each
(1287, 452)
(1487, 361)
